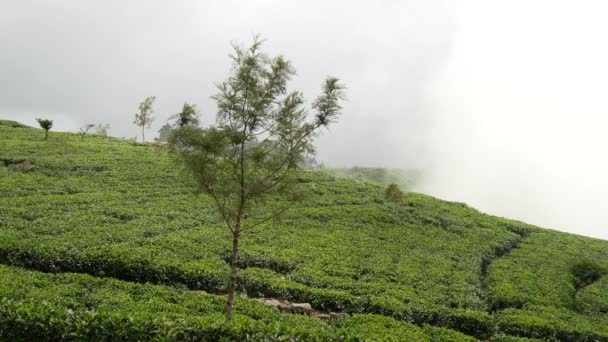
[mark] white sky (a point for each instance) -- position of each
(520, 113)
(502, 103)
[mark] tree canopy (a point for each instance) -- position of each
(262, 133)
(144, 117)
(46, 125)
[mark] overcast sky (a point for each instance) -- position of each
(501, 103)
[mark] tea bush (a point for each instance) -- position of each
(38, 306)
(109, 208)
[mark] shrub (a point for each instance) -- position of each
(587, 272)
(46, 125)
(393, 193)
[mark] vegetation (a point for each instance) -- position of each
(39, 307)
(46, 125)
(405, 179)
(163, 132)
(393, 194)
(102, 129)
(144, 118)
(261, 134)
(186, 119)
(188, 116)
(430, 270)
(587, 272)
(84, 130)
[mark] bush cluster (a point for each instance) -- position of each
(75, 307)
(111, 209)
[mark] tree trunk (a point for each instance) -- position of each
(46, 135)
(143, 137)
(233, 270)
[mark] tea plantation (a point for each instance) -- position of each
(406, 179)
(105, 239)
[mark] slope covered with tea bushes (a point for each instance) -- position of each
(112, 208)
(39, 306)
(406, 179)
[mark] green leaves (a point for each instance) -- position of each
(108, 208)
(328, 103)
(267, 138)
(188, 116)
(266, 127)
(144, 117)
(586, 272)
(46, 125)
(38, 306)
(393, 194)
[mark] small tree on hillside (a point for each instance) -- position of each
(261, 135)
(84, 130)
(46, 125)
(188, 116)
(163, 132)
(393, 194)
(144, 117)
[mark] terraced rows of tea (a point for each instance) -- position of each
(105, 238)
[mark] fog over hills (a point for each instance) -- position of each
(500, 104)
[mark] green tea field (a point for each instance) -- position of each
(105, 239)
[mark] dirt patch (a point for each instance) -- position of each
(300, 308)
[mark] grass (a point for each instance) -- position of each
(111, 208)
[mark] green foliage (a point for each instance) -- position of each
(38, 306)
(552, 323)
(341, 249)
(164, 132)
(593, 299)
(587, 272)
(46, 125)
(13, 124)
(185, 125)
(261, 135)
(144, 117)
(405, 179)
(542, 270)
(393, 194)
(188, 116)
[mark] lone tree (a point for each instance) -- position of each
(261, 135)
(393, 194)
(163, 132)
(144, 117)
(46, 125)
(84, 130)
(188, 117)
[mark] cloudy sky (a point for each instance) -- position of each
(501, 103)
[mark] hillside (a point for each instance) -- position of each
(406, 179)
(103, 237)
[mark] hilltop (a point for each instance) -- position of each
(105, 238)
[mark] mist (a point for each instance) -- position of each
(520, 114)
(500, 104)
